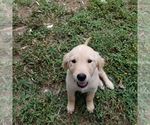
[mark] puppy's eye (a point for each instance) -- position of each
(73, 61)
(89, 60)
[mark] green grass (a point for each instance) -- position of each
(38, 56)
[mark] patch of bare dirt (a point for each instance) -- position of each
(53, 88)
(23, 12)
(73, 5)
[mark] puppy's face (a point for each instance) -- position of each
(82, 61)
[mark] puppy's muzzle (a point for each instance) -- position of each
(81, 77)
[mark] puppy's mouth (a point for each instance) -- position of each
(82, 84)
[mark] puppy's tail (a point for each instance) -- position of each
(87, 41)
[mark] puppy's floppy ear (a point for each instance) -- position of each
(99, 62)
(65, 61)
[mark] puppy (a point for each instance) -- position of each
(84, 67)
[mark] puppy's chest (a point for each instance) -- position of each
(86, 89)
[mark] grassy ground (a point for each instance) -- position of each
(39, 81)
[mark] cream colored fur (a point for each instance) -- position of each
(84, 60)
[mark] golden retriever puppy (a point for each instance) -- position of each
(84, 67)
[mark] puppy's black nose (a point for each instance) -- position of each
(81, 76)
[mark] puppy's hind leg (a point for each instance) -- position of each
(104, 77)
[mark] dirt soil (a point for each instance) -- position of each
(73, 5)
(25, 11)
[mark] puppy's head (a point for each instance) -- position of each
(82, 62)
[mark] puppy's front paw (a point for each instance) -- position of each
(110, 85)
(90, 107)
(70, 108)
